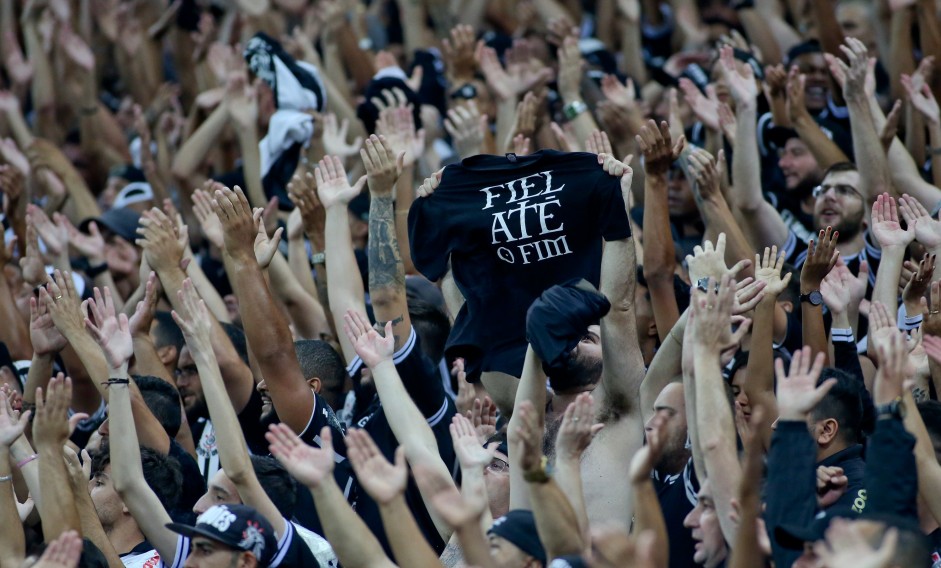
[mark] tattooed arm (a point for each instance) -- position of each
(386, 270)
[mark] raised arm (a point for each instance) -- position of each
(345, 285)
(12, 540)
(266, 328)
(407, 422)
(386, 484)
(659, 250)
(575, 434)
(887, 230)
(764, 223)
(352, 541)
(648, 516)
(233, 451)
(824, 150)
(711, 317)
(821, 258)
(386, 270)
(50, 432)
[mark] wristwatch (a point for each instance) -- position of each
(318, 258)
(703, 285)
(573, 109)
(540, 475)
(814, 298)
(895, 409)
(466, 91)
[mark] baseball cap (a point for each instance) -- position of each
(134, 192)
(794, 536)
(238, 526)
(519, 527)
(120, 220)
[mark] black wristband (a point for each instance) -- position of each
(114, 381)
(95, 271)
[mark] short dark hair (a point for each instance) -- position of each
(840, 167)
(319, 359)
(167, 332)
(844, 403)
(162, 473)
(237, 337)
(930, 411)
(432, 326)
(278, 484)
(163, 400)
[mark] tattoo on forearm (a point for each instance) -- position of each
(385, 261)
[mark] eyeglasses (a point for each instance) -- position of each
(842, 190)
(497, 465)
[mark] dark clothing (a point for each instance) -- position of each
(292, 551)
(511, 227)
(677, 496)
(791, 486)
(891, 473)
(423, 383)
(204, 436)
(854, 468)
(193, 485)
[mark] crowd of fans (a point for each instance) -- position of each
(483, 283)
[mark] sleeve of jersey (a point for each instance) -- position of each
(419, 376)
(182, 552)
(611, 212)
(428, 238)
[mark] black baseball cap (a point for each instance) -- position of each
(519, 527)
(238, 526)
(121, 221)
(794, 536)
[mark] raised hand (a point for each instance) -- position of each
(837, 288)
(523, 71)
(831, 485)
(208, 220)
(195, 321)
(241, 100)
(856, 73)
(741, 78)
(470, 452)
(484, 417)
(51, 425)
(34, 269)
(90, 245)
(63, 303)
(370, 346)
(239, 226)
(528, 438)
(797, 390)
(334, 137)
(705, 107)
(397, 125)
(467, 127)
(922, 98)
(918, 284)
(795, 106)
(709, 262)
(578, 428)
(711, 316)
(163, 243)
(382, 480)
(927, 228)
(54, 235)
(12, 422)
(702, 166)
(445, 498)
(458, 54)
(848, 547)
(307, 464)
(821, 258)
(598, 143)
(646, 459)
(143, 316)
(333, 187)
(382, 166)
(43, 334)
(63, 552)
(768, 270)
(110, 329)
(894, 367)
(570, 69)
(265, 247)
(658, 147)
(303, 192)
(624, 96)
(885, 224)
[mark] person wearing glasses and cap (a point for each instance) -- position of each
(228, 535)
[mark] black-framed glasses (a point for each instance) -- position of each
(841, 189)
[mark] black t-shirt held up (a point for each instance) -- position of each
(512, 227)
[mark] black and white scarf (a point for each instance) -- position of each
(298, 89)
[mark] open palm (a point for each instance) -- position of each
(309, 465)
(333, 187)
(769, 271)
(382, 480)
(467, 446)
